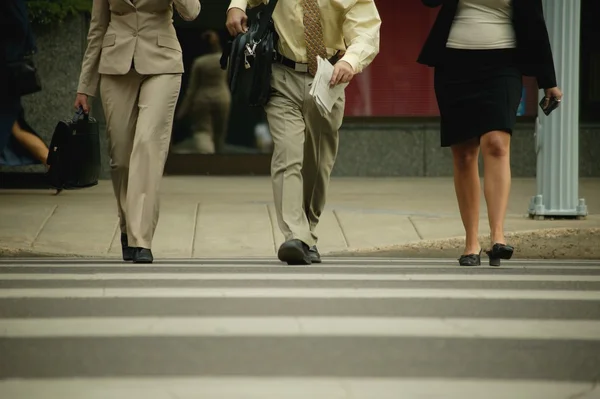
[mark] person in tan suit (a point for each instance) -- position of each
(134, 55)
(208, 99)
(306, 143)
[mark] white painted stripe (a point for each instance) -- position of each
(298, 277)
(326, 266)
(299, 327)
(271, 260)
(291, 388)
(297, 293)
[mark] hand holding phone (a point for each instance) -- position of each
(551, 101)
(549, 105)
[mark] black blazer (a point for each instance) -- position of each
(534, 53)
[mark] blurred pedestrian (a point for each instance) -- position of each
(207, 99)
(19, 143)
(480, 50)
(134, 55)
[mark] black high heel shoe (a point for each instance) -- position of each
(470, 260)
(498, 252)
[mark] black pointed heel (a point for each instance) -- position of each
(499, 252)
(470, 260)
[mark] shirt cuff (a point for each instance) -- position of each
(241, 4)
(353, 61)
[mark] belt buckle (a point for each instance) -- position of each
(300, 67)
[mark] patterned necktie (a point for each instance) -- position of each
(313, 34)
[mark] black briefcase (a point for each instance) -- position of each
(248, 59)
(74, 157)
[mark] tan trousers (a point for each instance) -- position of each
(306, 146)
(139, 117)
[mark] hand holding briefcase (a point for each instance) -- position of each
(248, 59)
(74, 157)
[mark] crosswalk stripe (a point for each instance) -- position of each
(292, 388)
(297, 277)
(412, 262)
(374, 267)
(297, 293)
(300, 327)
(350, 259)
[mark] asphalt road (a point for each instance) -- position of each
(350, 328)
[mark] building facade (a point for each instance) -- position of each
(391, 125)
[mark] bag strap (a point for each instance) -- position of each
(265, 19)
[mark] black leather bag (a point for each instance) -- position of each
(24, 77)
(74, 157)
(249, 58)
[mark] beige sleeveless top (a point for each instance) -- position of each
(482, 25)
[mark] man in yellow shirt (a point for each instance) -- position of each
(306, 143)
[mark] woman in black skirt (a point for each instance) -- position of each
(480, 50)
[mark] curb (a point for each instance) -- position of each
(554, 243)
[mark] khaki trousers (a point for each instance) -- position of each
(139, 113)
(305, 148)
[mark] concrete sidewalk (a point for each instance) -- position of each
(234, 217)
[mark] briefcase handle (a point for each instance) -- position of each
(80, 113)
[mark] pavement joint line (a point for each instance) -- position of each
(272, 224)
(44, 223)
(114, 236)
(415, 227)
(195, 229)
(339, 222)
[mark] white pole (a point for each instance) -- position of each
(557, 135)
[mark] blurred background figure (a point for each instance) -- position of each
(19, 143)
(206, 103)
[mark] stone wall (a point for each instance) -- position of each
(413, 149)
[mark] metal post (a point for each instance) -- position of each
(557, 135)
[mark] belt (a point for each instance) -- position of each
(298, 66)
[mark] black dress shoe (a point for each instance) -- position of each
(143, 255)
(294, 252)
(128, 251)
(315, 256)
(499, 251)
(470, 259)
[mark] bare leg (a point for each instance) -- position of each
(31, 142)
(466, 184)
(495, 148)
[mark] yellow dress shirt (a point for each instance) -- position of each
(348, 25)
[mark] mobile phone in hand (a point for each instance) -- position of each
(553, 103)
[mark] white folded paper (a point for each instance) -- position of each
(324, 95)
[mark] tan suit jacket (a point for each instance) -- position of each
(138, 32)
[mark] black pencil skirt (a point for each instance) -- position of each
(478, 91)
